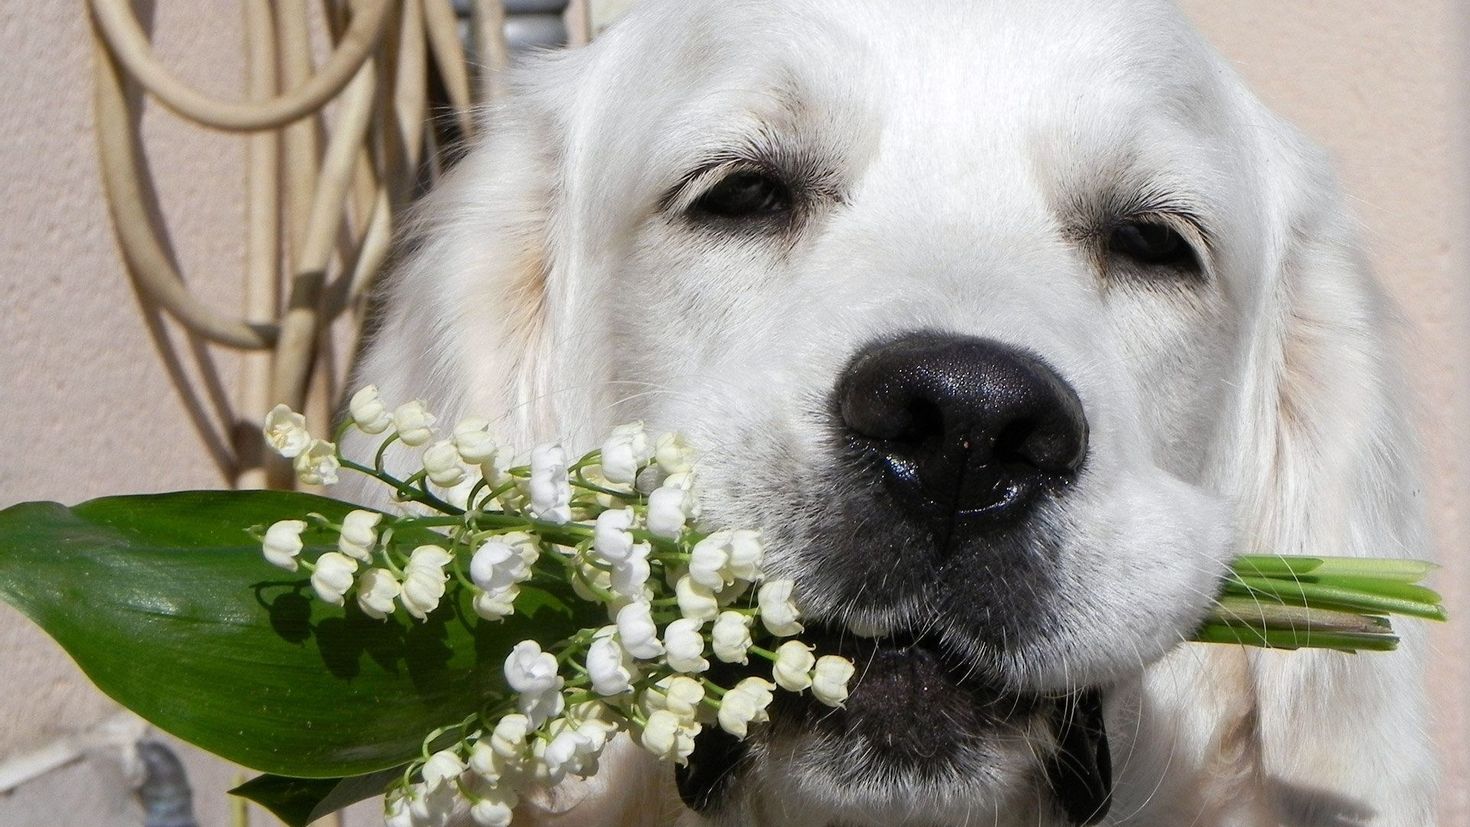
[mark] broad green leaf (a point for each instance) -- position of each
(300, 801)
(167, 604)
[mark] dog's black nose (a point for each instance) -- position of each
(964, 427)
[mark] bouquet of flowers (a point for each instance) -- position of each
(492, 631)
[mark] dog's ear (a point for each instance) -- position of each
(466, 316)
(1326, 466)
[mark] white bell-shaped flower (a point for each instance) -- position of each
(494, 808)
(442, 465)
(672, 506)
(709, 561)
(778, 610)
(497, 565)
(414, 423)
(674, 453)
(550, 490)
(376, 591)
(696, 602)
(282, 543)
(508, 739)
(318, 464)
(497, 605)
(533, 674)
(285, 431)
(668, 737)
(747, 554)
(443, 767)
(745, 704)
(684, 646)
(830, 678)
(424, 580)
(609, 666)
(629, 579)
(627, 449)
(638, 632)
(368, 411)
(333, 577)
(793, 667)
(475, 442)
(731, 637)
(611, 539)
(359, 534)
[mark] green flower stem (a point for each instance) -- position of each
(382, 452)
(711, 686)
(763, 652)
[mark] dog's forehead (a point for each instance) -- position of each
(938, 83)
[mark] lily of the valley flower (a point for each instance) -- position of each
(731, 637)
(475, 443)
(674, 453)
(778, 610)
(609, 665)
(669, 737)
(424, 580)
(696, 602)
(612, 541)
(497, 565)
(745, 704)
(533, 674)
(285, 431)
(376, 591)
(368, 411)
(793, 667)
(497, 605)
(829, 679)
(414, 423)
(494, 808)
(747, 554)
(709, 561)
(551, 493)
(685, 646)
(442, 465)
(443, 767)
(317, 464)
(626, 450)
(638, 633)
(509, 737)
(359, 534)
(283, 542)
(333, 576)
(629, 578)
(672, 505)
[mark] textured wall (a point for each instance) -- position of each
(90, 407)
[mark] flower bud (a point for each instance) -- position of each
(414, 423)
(731, 637)
(778, 610)
(283, 542)
(639, 635)
(368, 412)
(685, 646)
(318, 464)
(442, 767)
(285, 431)
(829, 679)
(793, 667)
(376, 591)
(359, 534)
(442, 465)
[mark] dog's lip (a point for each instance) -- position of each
(918, 660)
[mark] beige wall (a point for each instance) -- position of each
(90, 408)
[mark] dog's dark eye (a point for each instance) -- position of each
(1152, 244)
(748, 194)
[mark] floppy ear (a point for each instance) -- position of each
(467, 315)
(1327, 467)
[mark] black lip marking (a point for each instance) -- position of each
(1080, 774)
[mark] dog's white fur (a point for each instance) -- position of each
(1258, 410)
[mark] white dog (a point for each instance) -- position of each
(1008, 322)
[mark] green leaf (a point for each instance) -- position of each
(300, 801)
(167, 604)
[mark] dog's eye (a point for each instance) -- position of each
(748, 194)
(1152, 244)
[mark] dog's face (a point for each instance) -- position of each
(951, 317)
(976, 310)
